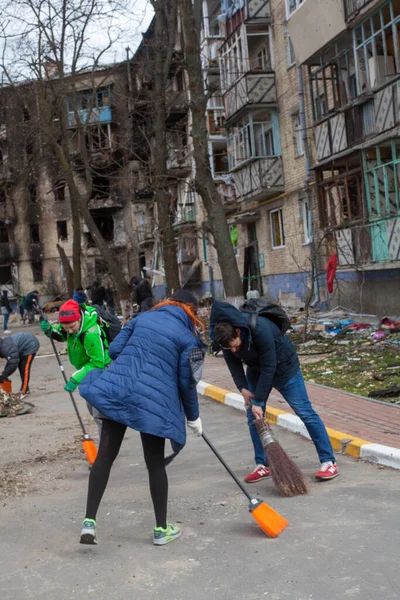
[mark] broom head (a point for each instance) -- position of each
(90, 449)
(286, 475)
(271, 522)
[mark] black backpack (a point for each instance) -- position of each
(110, 324)
(258, 307)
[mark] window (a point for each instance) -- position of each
(290, 57)
(34, 233)
(32, 193)
(376, 48)
(59, 190)
(332, 81)
(306, 218)
(62, 231)
(98, 137)
(4, 238)
(255, 136)
(340, 193)
(292, 6)
(277, 232)
(382, 180)
(297, 135)
(37, 271)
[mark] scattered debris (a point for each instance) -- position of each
(11, 405)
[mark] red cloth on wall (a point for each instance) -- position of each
(330, 269)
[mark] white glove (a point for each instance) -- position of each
(196, 426)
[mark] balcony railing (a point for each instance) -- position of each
(186, 214)
(145, 234)
(353, 7)
(178, 158)
(96, 115)
(250, 90)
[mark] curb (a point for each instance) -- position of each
(343, 442)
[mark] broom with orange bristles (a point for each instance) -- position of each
(88, 444)
(286, 475)
(271, 522)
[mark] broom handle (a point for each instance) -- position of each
(65, 379)
(231, 473)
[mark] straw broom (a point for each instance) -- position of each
(286, 475)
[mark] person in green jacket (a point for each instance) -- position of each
(87, 343)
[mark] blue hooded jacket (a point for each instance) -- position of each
(270, 357)
(150, 385)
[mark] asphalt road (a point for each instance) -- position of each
(342, 541)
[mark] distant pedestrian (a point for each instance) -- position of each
(31, 304)
(144, 295)
(20, 302)
(98, 293)
(80, 296)
(109, 298)
(19, 350)
(6, 310)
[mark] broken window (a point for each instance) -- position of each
(332, 81)
(59, 190)
(37, 271)
(292, 6)
(100, 186)
(5, 275)
(290, 56)
(32, 193)
(277, 231)
(306, 219)
(340, 192)
(376, 47)
(98, 137)
(255, 136)
(382, 179)
(4, 237)
(34, 233)
(105, 224)
(219, 159)
(89, 240)
(62, 231)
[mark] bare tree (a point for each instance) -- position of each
(55, 53)
(191, 13)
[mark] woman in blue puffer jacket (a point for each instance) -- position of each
(150, 386)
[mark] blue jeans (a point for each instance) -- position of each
(5, 323)
(295, 394)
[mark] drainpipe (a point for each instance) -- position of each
(314, 274)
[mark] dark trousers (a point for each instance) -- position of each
(25, 371)
(112, 434)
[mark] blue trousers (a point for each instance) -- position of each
(5, 322)
(295, 394)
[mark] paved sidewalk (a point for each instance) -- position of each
(373, 421)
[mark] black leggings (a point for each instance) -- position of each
(112, 435)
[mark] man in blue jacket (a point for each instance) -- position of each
(272, 362)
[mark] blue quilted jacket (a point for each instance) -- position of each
(151, 383)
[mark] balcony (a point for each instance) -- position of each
(145, 235)
(352, 8)
(176, 104)
(260, 179)
(114, 200)
(258, 9)
(178, 161)
(8, 252)
(209, 54)
(185, 216)
(102, 114)
(251, 90)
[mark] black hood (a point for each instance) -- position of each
(222, 312)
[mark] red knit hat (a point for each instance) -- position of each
(69, 312)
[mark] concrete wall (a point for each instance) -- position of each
(314, 25)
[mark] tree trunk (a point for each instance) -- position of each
(68, 271)
(162, 56)
(76, 244)
(205, 186)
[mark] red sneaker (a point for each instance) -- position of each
(259, 473)
(328, 470)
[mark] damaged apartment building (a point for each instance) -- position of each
(35, 207)
(352, 55)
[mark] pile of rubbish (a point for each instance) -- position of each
(11, 405)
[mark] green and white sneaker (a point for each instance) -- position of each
(89, 532)
(165, 536)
